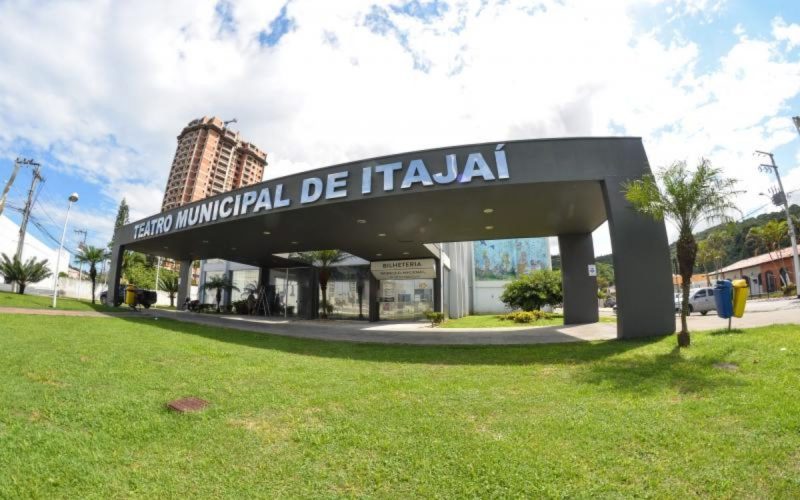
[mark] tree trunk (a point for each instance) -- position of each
(686, 250)
(93, 277)
(21, 288)
(171, 300)
(219, 297)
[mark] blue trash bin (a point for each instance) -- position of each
(723, 296)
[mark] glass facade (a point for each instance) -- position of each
(243, 280)
(348, 292)
(405, 299)
(290, 292)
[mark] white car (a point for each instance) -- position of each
(700, 300)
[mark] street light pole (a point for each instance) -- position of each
(792, 236)
(72, 199)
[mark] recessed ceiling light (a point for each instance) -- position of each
(361, 221)
(489, 227)
(166, 248)
(405, 253)
(205, 241)
(233, 248)
(381, 235)
(267, 232)
(378, 255)
(488, 210)
(294, 243)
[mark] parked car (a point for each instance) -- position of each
(120, 295)
(144, 298)
(700, 300)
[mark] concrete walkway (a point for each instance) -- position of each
(415, 333)
(420, 333)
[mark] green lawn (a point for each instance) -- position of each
(495, 321)
(44, 302)
(82, 415)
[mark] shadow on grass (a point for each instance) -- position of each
(575, 353)
(686, 372)
(725, 331)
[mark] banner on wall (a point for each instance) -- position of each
(504, 260)
(410, 269)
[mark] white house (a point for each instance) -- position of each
(34, 247)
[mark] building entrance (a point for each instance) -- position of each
(405, 299)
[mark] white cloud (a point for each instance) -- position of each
(786, 32)
(106, 88)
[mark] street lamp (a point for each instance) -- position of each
(779, 198)
(72, 199)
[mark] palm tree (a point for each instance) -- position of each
(129, 260)
(30, 272)
(687, 198)
(322, 260)
(219, 283)
(91, 255)
(769, 238)
(169, 283)
(711, 252)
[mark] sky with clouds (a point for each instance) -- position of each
(97, 91)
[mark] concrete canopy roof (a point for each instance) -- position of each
(552, 187)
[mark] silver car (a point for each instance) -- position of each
(700, 300)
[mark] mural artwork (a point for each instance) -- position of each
(506, 259)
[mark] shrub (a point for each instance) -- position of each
(789, 290)
(526, 316)
(240, 306)
(532, 291)
(434, 317)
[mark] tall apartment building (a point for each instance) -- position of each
(211, 159)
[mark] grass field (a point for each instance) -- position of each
(82, 415)
(495, 321)
(44, 302)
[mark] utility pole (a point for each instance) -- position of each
(26, 213)
(81, 246)
(17, 163)
(779, 198)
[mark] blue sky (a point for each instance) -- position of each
(319, 83)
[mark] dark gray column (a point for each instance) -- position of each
(114, 275)
(184, 281)
(437, 288)
(642, 272)
(374, 293)
(580, 289)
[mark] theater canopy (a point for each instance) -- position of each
(388, 208)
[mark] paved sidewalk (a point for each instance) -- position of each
(416, 333)
(420, 333)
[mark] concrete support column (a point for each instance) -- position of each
(184, 282)
(115, 274)
(437, 287)
(580, 289)
(374, 293)
(642, 270)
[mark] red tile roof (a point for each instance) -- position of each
(757, 260)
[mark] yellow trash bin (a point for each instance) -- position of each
(130, 295)
(740, 292)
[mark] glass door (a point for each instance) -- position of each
(406, 299)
